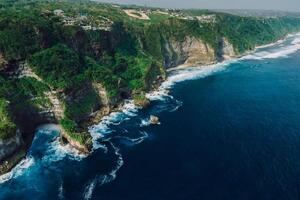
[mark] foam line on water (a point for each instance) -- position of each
(102, 129)
(103, 179)
(61, 191)
(280, 52)
(18, 170)
(56, 152)
(137, 140)
(53, 152)
(89, 189)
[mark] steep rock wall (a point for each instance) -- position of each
(9, 146)
(191, 51)
(225, 50)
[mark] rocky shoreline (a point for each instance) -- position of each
(189, 60)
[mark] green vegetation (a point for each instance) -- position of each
(7, 127)
(85, 102)
(125, 55)
(58, 66)
(70, 128)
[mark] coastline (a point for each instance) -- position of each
(13, 162)
(228, 59)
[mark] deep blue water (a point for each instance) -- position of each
(230, 131)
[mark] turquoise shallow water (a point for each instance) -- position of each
(230, 131)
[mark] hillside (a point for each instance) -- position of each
(74, 62)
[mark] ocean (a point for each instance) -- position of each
(228, 131)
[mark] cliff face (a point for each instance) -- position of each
(11, 152)
(9, 146)
(225, 50)
(194, 52)
(76, 76)
(190, 51)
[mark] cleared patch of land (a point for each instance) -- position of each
(137, 14)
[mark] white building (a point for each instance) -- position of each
(59, 12)
(69, 21)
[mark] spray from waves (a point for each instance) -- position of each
(129, 110)
(56, 152)
(102, 129)
(53, 152)
(175, 76)
(181, 74)
(103, 179)
(18, 170)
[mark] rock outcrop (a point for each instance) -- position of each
(154, 120)
(77, 145)
(57, 107)
(11, 152)
(225, 50)
(191, 51)
(9, 146)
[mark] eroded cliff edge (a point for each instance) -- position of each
(73, 76)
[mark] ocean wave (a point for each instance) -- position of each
(158, 95)
(135, 141)
(130, 110)
(145, 122)
(191, 73)
(178, 105)
(56, 152)
(100, 130)
(280, 52)
(88, 191)
(103, 179)
(18, 170)
(53, 151)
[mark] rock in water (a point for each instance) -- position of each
(154, 120)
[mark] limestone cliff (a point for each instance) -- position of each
(190, 51)
(225, 50)
(11, 152)
(9, 146)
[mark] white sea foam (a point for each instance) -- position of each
(144, 135)
(137, 140)
(61, 191)
(145, 122)
(89, 189)
(175, 76)
(280, 52)
(98, 131)
(18, 170)
(103, 179)
(56, 152)
(179, 104)
(191, 73)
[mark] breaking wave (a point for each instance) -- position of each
(46, 143)
(102, 129)
(18, 170)
(280, 52)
